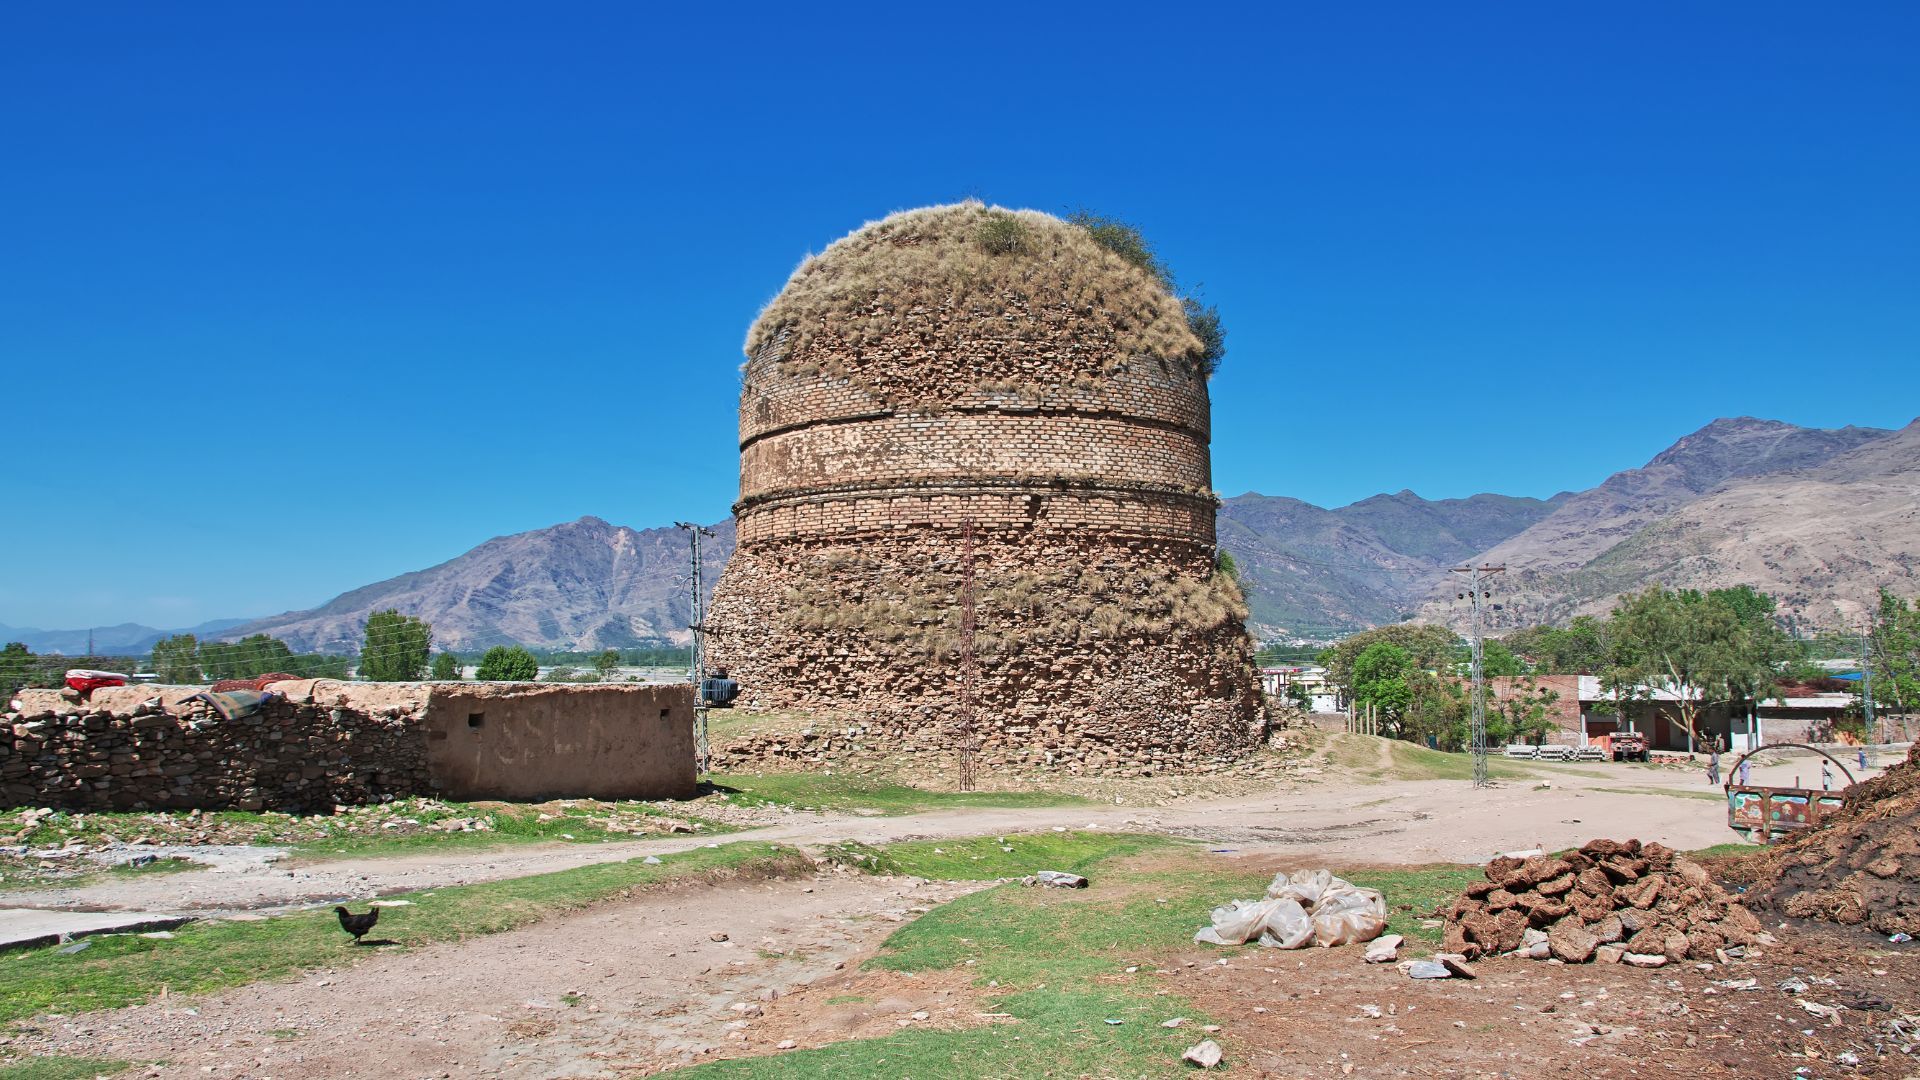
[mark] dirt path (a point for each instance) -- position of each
(1339, 819)
(634, 987)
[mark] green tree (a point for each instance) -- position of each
(507, 663)
(606, 663)
(1522, 713)
(1496, 660)
(1893, 654)
(1703, 649)
(16, 669)
(1430, 648)
(1380, 683)
(396, 647)
(1300, 696)
(446, 667)
(257, 654)
(1578, 649)
(176, 659)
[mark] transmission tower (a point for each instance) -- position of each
(1479, 592)
(696, 626)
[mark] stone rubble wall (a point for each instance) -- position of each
(134, 748)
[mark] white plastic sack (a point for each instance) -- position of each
(1305, 886)
(1309, 906)
(1288, 926)
(1238, 921)
(1347, 915)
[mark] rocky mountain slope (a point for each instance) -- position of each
(585, 584)
(1313, 572)
(1817, 518)
(1822, 540)
(1588, 523)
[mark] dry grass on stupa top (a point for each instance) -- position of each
(985, 270)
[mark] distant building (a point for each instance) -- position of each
(1585, 712)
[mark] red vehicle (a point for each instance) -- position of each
(1630, 746)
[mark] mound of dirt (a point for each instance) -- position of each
(1645, 900)
(1860, 869)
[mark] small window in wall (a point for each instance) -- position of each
(665, 713)
(476, 719)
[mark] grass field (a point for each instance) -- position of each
(846, 793)
(1362, 754)
(1057, 960)
(59, 1068)
(394, 828)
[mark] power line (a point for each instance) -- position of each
(1478, 591)
(696, 627)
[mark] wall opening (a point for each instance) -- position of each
(476, 719)
(665, 713)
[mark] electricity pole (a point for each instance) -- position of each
(1479, 592)
(1866, 682)
(696, 626)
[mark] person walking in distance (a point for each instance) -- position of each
(1713, 764)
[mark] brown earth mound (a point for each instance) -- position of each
(1643, 899)
(1861, 868)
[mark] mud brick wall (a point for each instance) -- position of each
(1079, 482)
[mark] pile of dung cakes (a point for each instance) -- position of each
(1861, 867)
(1611, 901)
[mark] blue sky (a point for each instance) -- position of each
(297, 297)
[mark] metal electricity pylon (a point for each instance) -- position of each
(696, 626)
(1479, 593)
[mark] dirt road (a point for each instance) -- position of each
(633, 987)
(1339, 819)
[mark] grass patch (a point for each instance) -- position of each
(1725, 851)
(1403, 760)
(1709, 796)
(1059, 959)
(818, 791)
(59, 1068)
(398, 827)
(571, 822)
(202, 957)
(987, 858)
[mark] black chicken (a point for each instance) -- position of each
(357, 924)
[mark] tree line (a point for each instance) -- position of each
(1719, 647)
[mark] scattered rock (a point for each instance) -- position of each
(1645, 960)
(1205, 1054)
(1384, 949)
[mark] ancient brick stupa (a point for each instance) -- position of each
(965, 386)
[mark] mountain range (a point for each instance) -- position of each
(123, 639)
(1818, 518)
